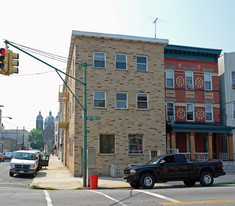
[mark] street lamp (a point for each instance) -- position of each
(1, 120)
(7, 117)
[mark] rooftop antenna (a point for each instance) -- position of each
(155, 22)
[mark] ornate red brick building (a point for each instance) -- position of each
(193, 104)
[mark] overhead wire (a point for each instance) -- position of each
(42, 53)
(45, 54)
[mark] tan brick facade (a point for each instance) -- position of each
(150, 123)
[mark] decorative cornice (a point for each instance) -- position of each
(191, 53)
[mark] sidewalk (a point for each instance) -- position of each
(57, 176)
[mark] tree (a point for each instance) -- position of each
(36, 139)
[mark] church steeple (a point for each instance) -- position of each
(39, 122)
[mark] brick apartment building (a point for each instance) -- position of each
(193, 104)
(125, 88)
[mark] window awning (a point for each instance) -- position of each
(201, 128)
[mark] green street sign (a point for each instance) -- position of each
(93, 118)
(88, 131)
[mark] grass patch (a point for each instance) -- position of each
(51, 188)
(79, 188)
(34, 187)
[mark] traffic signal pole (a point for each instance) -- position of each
(84, 65)
(84, 106)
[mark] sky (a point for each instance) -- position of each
(47, 25)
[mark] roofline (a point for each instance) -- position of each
(108, 36)
(119, 36)
(191, 53)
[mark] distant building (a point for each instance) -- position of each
(39, 122)
(14, 139)
(47, 130)
(227, 95)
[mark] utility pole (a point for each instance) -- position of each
(84, 65)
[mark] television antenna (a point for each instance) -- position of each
(155, 22)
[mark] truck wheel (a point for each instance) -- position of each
(11, 174)
(135, 186)
(147, 181)
(189, 183)
(206, 179)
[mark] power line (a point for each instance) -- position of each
(42, 53)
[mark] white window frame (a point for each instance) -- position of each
(139, 137)
(120, 62)
(114, 145)
(208, 80)
(189, 74)
(211, 112)
(233, 80)
(233, 110)
(190, 111)
(99, 99)
(170, 76)
(167, 116)
(122, 100)
(94, 59)
(142, 64)
(139, 101)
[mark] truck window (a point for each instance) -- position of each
(169, 159)
(180, 158)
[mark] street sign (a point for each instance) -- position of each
(93, 118)
(88, 131)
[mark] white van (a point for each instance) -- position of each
(24, 162)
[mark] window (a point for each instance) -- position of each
(233, 110)
(121, 100)
(99, 99)
(107, 144)
(208, 81)
(121, 61)
(135, 144)
(141, 63)
(169, 159)
(190, 112)
(142, 101)
(169, 78)
(99, 59)
(170, 111)
(189, 80)
(233, 80)
(209, 112)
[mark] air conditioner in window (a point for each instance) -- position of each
(189, 86)
(170, 118)
(233, 86)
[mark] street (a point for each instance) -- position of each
(19, 181)
(16, 191)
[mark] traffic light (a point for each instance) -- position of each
(13, 62)
(2, 60)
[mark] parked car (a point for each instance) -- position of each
(173, 167)
(2, 157)
(24, 162)
(8, 155)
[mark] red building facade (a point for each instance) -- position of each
(192, 102)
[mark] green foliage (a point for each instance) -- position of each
(34, 187)
(36, 139)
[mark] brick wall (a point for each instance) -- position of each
(118, 122)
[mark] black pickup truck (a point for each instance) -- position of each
(173, 167)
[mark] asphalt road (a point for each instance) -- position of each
(15, 191)
(18, 181)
